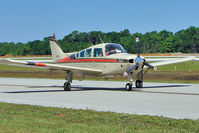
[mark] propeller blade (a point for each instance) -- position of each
(129, 70)
(138, 48)
(150, 66)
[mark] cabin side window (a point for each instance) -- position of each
(98, 52)
(72, 56)
(82, 53)
(77, 55)
(88, 53)
(114, 49)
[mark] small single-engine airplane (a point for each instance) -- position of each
(98, 60)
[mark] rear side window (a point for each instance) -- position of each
(82, 54)
(98, 52)
(88, 53)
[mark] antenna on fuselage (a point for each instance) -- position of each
(92, 43)
(100, 38)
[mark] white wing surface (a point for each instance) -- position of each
(172, 61)
(50, 66)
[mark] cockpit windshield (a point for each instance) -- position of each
(114, 48)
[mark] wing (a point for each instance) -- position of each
(153, 65)
(50, 66)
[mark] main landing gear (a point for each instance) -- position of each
(138, 82)
(69, 77)
(67, 86)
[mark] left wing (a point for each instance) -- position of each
(50, 66)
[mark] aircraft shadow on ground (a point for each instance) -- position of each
(81, 88)
(164, 86)
(78, 88)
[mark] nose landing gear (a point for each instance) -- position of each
(138, 83)
(128, 87)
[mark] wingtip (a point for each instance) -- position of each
(191, 57)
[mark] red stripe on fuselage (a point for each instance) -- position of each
(40, 64)
(67, 59)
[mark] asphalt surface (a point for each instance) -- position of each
(174, 100)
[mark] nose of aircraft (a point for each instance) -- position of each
(139, 62)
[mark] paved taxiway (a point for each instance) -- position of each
(162, 99)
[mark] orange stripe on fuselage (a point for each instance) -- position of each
(67, 59)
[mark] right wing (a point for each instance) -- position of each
(172, 61)
(156, 64)
(50, 66)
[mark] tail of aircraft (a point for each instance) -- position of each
(56, 51)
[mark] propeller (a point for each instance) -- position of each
(138, 61)
(150, 66)
(138, 48)
(130, 69)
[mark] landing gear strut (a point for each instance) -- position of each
(138, 83)
(128, 86)
(69, 77)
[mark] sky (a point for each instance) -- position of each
(29, 20)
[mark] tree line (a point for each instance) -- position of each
(185, 41)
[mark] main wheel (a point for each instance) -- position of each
(139, 84)
(128, 87)
(67, 86)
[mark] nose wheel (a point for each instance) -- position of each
(128, 87)
(139, 84)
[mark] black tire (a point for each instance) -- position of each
(128, 87)
(67, 86)
(139, 84)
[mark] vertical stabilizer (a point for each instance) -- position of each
(56, 51)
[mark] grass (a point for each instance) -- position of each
(18, 68)
(26, 118)
(190, 66)
(36, 59)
